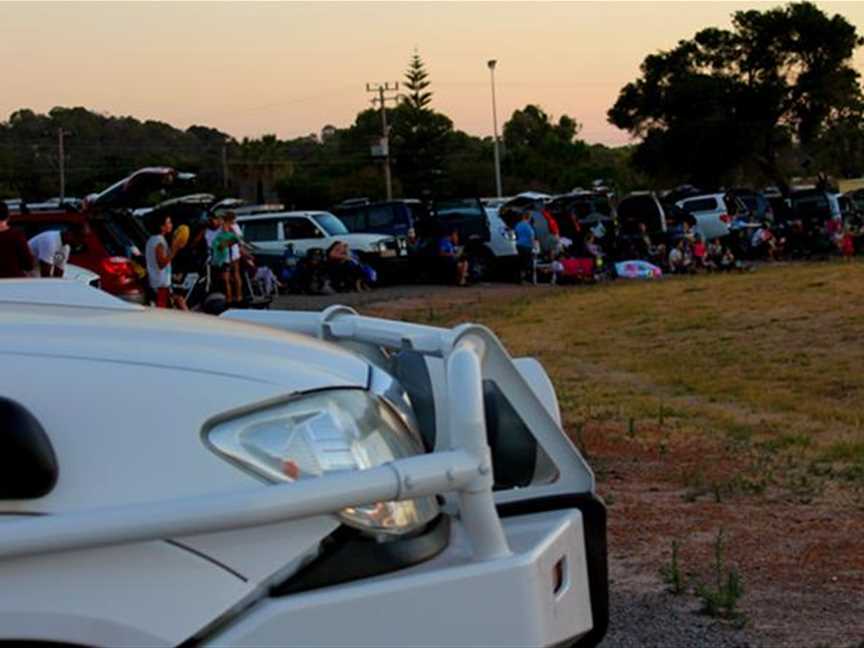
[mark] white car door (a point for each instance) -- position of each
(303, 233)
(264, 234)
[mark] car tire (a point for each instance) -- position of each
(481, 265)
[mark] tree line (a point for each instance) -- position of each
(774, 97)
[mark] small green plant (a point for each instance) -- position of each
(579, 440)
(721, 598)
(671, 573)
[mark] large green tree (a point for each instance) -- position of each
(543, 154)
(726, 97)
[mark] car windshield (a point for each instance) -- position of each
(332, 225)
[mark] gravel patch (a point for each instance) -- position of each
(641, 619)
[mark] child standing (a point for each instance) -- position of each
(847, 244)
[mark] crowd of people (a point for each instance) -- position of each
(568, 248)
(562, 249)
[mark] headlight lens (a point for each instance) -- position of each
(382, 246)
(326, 432)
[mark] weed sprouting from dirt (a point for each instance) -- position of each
(671, 574)
(720, 599)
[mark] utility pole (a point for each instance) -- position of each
(61, 156)
(385, 131)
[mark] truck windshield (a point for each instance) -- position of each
(332, 225)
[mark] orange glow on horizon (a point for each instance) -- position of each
(250, 68)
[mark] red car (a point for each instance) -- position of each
(115, 241)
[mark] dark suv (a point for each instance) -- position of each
(396, 217)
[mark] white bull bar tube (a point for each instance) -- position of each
(465, 470)
(341, 323)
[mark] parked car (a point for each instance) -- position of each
(580, 210)
(487, 242)
(313, 478)
(813, 207)
(856, 197)
(534, 202)
(641, 207)
(394, 217)
(116, 239)
(501, 243)
(271, 233)
(106, 250)
(756, 203)
(715, 212)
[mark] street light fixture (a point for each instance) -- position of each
(491, 65)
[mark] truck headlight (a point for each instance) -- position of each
(325, 432)
(382, 246)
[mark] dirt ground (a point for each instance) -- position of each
(712, 408)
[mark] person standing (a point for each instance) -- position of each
(158, 255)
(16, 259)
(236, 254)
(525, 247)
(220, 257)
(51, 249)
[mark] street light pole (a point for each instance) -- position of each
(491, 65)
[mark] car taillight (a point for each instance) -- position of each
(118, 267)
(726, 218)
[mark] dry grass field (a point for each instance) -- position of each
(713, 405)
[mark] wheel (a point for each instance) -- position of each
(481, 265)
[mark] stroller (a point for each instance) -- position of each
(198, 286)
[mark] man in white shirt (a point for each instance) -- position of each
(158, 255)
(51, 249)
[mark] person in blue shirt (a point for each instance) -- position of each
(454, 264)
(525, 246)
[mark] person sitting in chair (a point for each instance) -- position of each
(453, 264)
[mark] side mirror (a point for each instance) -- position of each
(28, 466)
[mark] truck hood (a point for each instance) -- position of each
(364, 241)
(56, 318)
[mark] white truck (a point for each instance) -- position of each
(283, 478)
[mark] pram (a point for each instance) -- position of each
(198, 287)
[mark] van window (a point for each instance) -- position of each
(381, 216)
(261, 230)
(639, 209)
(300, 228)
(700, 205)
(354, 219)
(467, 216)
(811, 206)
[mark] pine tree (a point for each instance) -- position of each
(417, 82)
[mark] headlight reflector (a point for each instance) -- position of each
(326, 432)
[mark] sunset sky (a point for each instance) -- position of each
(250, 68)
